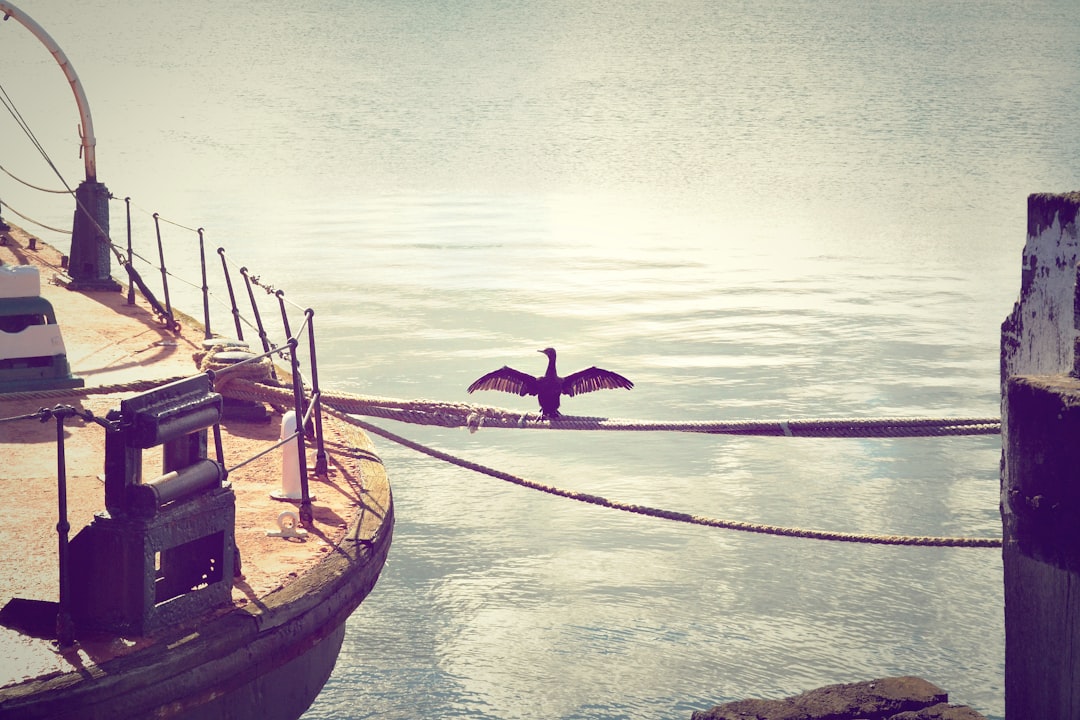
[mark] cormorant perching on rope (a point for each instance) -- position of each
(549, 387)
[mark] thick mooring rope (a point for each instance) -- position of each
(245, 390)
(117, 388)
(474, 417)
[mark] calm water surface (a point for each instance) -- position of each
(780, 211)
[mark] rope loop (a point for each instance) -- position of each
(224, 371)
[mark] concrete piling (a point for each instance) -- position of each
(1040, 470)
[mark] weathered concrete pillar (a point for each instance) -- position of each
(1041, 513)
(1037, 339)
(1040, 471)
(90, 264)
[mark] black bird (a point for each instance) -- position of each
(549, 387)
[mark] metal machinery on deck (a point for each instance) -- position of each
(164, 549)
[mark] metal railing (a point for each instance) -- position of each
(307, 401)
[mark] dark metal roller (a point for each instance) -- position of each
(147, 498)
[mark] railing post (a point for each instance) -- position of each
(64, 628)
(205, 288)
(298, 399)
(232, 296)
(316, 396)
(255, 311)
(130, 269)
(164, 272)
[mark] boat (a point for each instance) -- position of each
(199, 591)
(189, 528)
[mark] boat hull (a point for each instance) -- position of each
(267, 662)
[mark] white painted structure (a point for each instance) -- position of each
(28, 328)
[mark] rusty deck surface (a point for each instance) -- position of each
(110, 344)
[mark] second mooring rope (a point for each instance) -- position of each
(926, 541)
(245, 390)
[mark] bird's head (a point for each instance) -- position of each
(550, 352)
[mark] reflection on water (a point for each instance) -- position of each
(541, 607)
(754, 211)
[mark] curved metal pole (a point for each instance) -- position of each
(86, 129)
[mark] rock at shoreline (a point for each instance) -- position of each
(895, 698)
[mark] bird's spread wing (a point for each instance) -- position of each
(508, 380)
(593, 379)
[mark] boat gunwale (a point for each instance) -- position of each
(311, 607)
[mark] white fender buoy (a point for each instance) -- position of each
(290, 462)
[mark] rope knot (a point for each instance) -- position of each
(474, 421)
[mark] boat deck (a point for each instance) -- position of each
(111, 343)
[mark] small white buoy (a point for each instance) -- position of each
(288, 524)
(290, 462)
